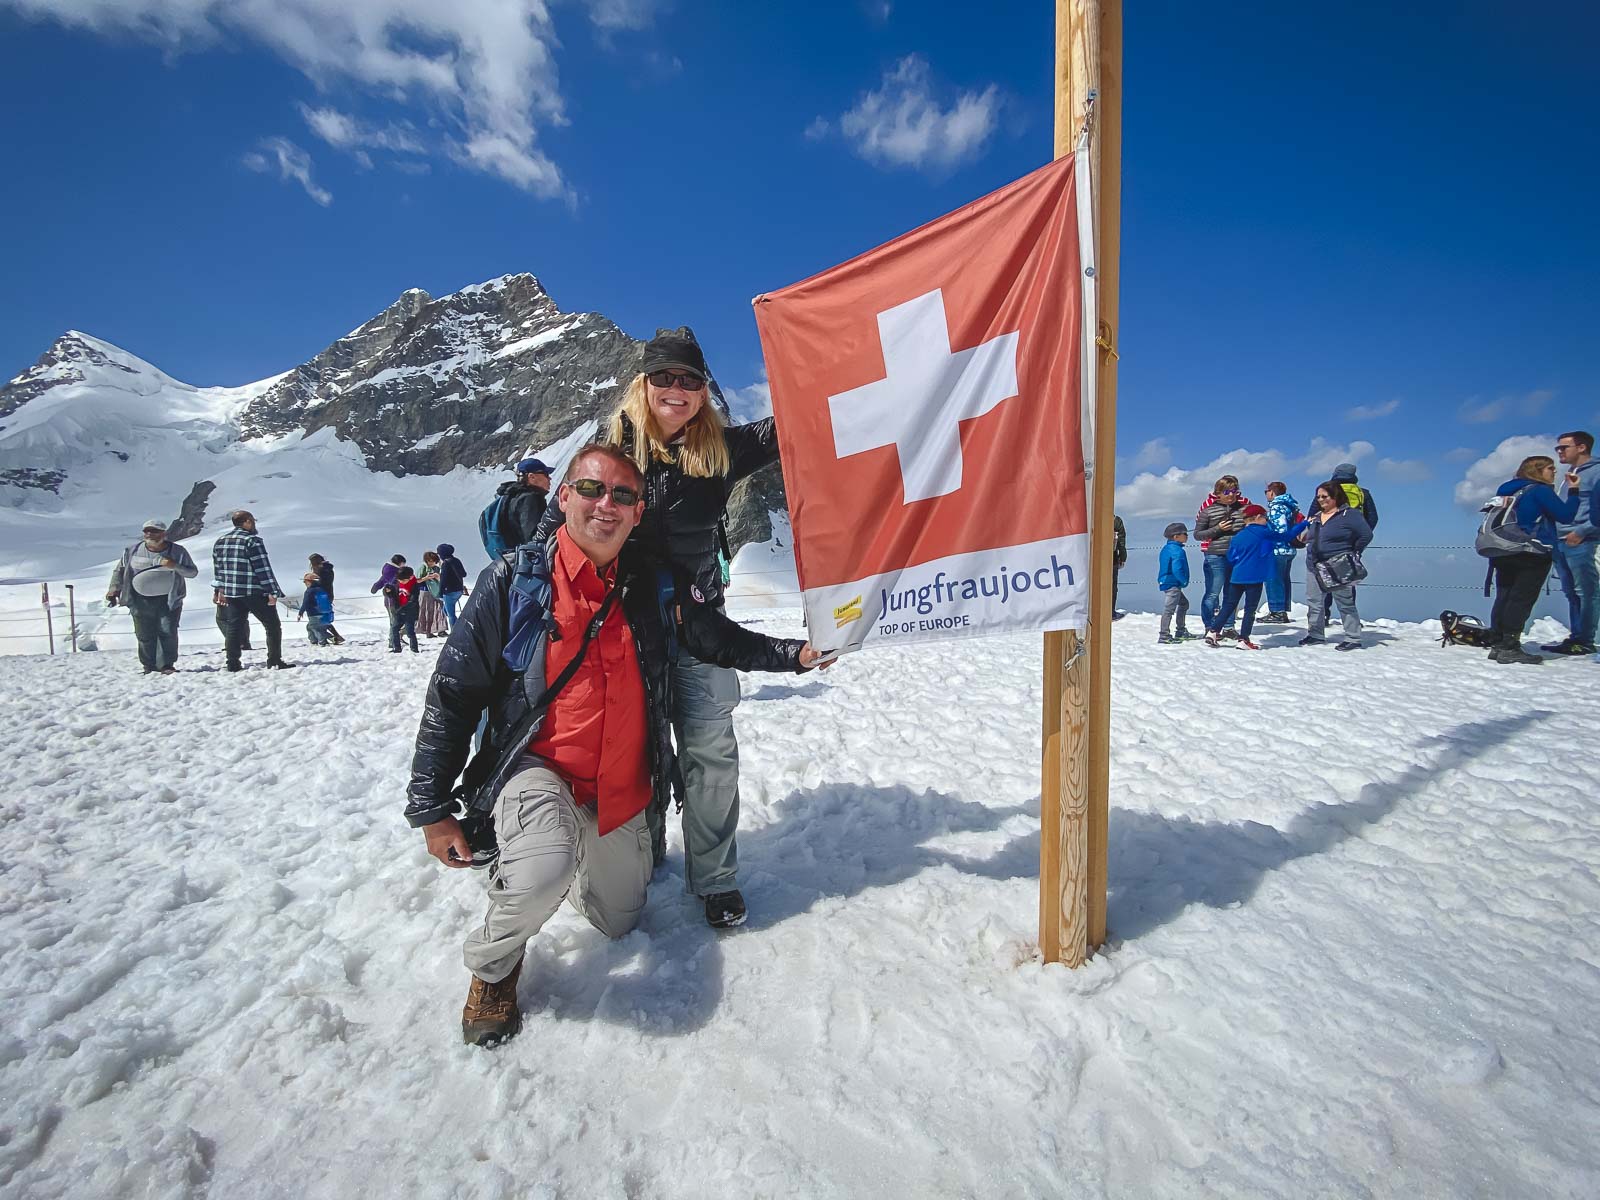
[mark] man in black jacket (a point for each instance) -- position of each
(524, 502)
(578, 781)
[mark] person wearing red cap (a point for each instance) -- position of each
(1250, 563)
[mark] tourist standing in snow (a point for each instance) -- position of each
(1334, 530)
(316, 606)
(430, 610)
(1214, 526)
(1578, 544)
(401, 598)
(522, 502)
(149, 580)
(452, 582)
(1518, 577)
(246, 585)
(1283, 513)
(1172, 577)
(1251, 564)
(324, 570)
(569, 778)
(1357, 496)
(1119, 559)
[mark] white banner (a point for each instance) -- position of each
(1043, 585)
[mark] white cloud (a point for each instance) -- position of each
(1179, 491)
(1152, 456)
(291, 163)
(1371, 412)
(618, 16)
(878, 11)
(1479, 411)
(1404, 470)
(818, 129)
(487, 64)
(1499, 465)
(1460, 454)
(749, 403)
(903, 125)
(345, 132)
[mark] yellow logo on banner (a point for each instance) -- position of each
(847, 612)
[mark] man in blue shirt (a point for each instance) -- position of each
(245, 587)
(1577, 546)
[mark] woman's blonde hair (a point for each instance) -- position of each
(703, 452)
(1534, 465)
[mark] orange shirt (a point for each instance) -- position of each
(594, 732)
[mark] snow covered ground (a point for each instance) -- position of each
(1352, 943)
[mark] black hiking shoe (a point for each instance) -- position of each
(1515, 655)
(1349, 646)
(1569, 647)
(280, 665)
(1309, 640)
(724, 910)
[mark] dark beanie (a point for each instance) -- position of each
(674, 348)
(1175, 529)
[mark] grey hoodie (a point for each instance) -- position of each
(183, 568)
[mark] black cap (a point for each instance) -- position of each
(674, 348)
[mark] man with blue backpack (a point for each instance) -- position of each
(567, 646)
(511, 517)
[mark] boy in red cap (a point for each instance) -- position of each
(1250, 562)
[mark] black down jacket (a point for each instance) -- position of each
(471, 677)
(683, 512)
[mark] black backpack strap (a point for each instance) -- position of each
(1488, 579)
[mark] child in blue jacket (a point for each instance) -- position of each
(1172, 578)
(316, 606)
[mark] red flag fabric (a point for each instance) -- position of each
(927, 397)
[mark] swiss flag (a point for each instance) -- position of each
(927, 397)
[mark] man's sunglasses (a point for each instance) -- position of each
(593, 489)
(687, 380)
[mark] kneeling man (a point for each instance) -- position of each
(574, 778)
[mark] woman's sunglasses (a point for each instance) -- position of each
(593, 489)
(687, 380)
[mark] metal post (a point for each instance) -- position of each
(72, 615)
(49, 625)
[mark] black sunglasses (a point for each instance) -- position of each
(687, 380)
(593, 489)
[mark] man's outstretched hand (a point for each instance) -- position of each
(444, 837)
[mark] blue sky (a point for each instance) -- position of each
(1373, 226)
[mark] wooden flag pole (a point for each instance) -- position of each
(1076, 769)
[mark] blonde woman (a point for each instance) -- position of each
(1518, 577)
(691, 459)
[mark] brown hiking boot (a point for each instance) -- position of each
(491, 1014)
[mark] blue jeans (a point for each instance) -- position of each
(1579, 570)
(451, 599)
(1250, 593)
(317, 631)
(1278, 589)
(403, 619)
(1218, 572)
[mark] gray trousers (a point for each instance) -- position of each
(1317, 602)
(551, 850)
(1177, 603)
(704, 697)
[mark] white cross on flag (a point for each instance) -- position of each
(927, 397)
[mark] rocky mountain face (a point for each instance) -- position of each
(473, 379)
